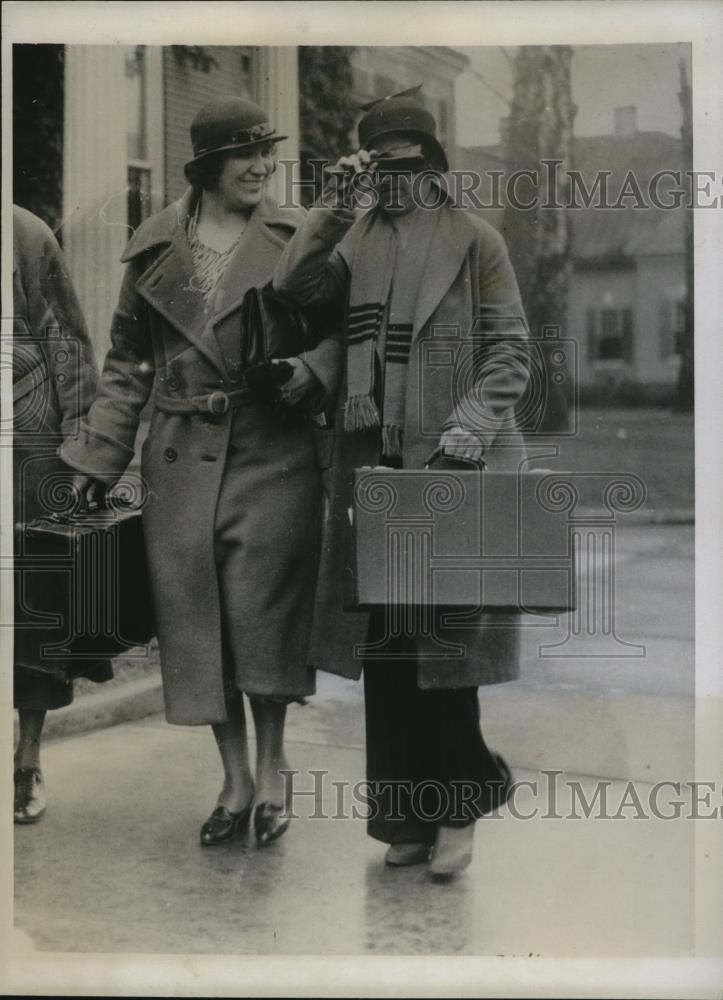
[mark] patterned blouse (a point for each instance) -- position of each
(210, 265)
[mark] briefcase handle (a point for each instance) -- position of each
(475, 463)
(119, 508)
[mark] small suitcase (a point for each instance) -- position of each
(82, 590)
(458, 539)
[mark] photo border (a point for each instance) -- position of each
(388, 23)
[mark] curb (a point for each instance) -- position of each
(125, 703)
(671, 515)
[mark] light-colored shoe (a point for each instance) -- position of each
(29, 795)
(401, 855)
(452, 850)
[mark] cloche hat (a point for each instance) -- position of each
(400, 113)
(229, 123)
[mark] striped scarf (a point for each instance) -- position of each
(385, 282)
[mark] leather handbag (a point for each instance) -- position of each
(273, 328)
(82, 590)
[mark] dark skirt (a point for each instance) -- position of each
(40, 689)
(40, 683)
(40, 692)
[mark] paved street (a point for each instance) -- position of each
(116, 867)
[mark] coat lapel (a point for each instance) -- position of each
(168, 285)
(250, 266)
(254, 260)
(451, 241)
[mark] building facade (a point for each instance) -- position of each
(626, 300)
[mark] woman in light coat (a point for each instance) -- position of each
(232, 519)
(415, 271)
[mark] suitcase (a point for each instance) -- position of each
(458, 539)
(82, 590)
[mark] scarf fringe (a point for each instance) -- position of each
(361, 413)
(391, 439)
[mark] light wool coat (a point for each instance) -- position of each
(467, 282)
(233, 515)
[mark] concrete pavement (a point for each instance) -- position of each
(115, 866)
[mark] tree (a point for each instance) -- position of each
(540, 128)
(326, 110)
(684, 393)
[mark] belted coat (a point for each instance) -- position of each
(233, 507)
(467, 282)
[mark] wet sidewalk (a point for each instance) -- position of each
(115, 866)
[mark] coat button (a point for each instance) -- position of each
(170, 454)
(173, 383)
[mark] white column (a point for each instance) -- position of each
(95, 227)
(278, 89)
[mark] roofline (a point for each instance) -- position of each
(581, 138)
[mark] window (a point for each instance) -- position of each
(610, 334)
(143, 130)
(139, 168)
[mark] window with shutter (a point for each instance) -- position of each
(610, 343)
(671, 327)
(610, 335)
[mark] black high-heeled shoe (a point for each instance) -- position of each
(223, 825)
(270, 822)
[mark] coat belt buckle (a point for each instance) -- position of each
(218, 403)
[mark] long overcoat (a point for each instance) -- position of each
(233, 509)
(467, 282)
(54, 381)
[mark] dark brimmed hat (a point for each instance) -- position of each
(400, 113)
(229, 123)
